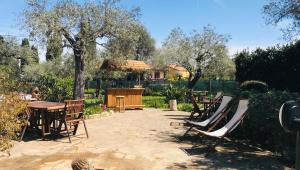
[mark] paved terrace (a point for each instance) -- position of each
(134, 140)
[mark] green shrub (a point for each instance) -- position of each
(91, 110)
(154, 101)
(261, 125)
(171, 92)
(91, 102)
(11, 106)
(55, 88)
(90, 91)
(187, 107)
(92, 106)
(254, 85)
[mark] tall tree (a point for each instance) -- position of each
(25, 51)
(195, 52)
(284, 10)
(35, 54)
(54, 45)
(139, 48)
(105, 19)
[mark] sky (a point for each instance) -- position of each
(243, 20)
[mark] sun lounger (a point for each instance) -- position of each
(214, 117)
(230, 126)
(212, 105)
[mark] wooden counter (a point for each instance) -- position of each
(133, 97)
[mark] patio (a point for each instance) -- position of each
(139, 139)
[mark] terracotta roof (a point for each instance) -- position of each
(128, 65)
(177, 67)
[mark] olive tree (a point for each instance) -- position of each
(277, 11)
(195, 52)
(79, 24)
(141, 47)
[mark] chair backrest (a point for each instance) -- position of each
(224, 104)
(238, 116)
(218, 95)
(74, 109)
(234, 121)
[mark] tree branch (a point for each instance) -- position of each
(68, 37)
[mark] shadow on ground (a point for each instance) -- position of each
(228, 155)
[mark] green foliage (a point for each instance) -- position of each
(278, 11)
(277, 66)
(171, 92)
(53, 78)
(54, 46)
(139, 47)
(262, 126)
(254, 85)
(35, 54)
(197, 50)
(81, 25)
(92, 106)
(55, 88)
(186, 107)
(90, 91)
(154, 101)
(95, 109)
(11, 105)
(91, 102)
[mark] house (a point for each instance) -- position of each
(125, 65)
(176, 71)
(173, 71)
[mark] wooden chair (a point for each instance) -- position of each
(215, 101)
(72, 116)
(229, 127)
(23, 119)
(222, 111)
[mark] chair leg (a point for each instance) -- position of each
(75, 128)
(188, 131)
(212, 147)
(87, 135)
(68, 132)
(23, 132)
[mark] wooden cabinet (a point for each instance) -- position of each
(133, 97)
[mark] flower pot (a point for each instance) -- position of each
(173, 105)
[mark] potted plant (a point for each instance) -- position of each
(172, 94)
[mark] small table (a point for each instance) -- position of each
(206, 103)
(44, 108)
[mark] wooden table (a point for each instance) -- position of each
(45, 108)
(133, 97)
(206, 103)
(200, 94)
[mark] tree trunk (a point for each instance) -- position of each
(78, 91)
(98, 84)
(193, 79)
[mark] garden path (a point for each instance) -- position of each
(136, 139)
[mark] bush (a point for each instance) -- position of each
(54, 88)
(254, 85)
(277, 66)
(173, 93)
(261, 125)
(91, 110)
(92, 106)
(154, 101)
(186, 107)
(11, 106)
